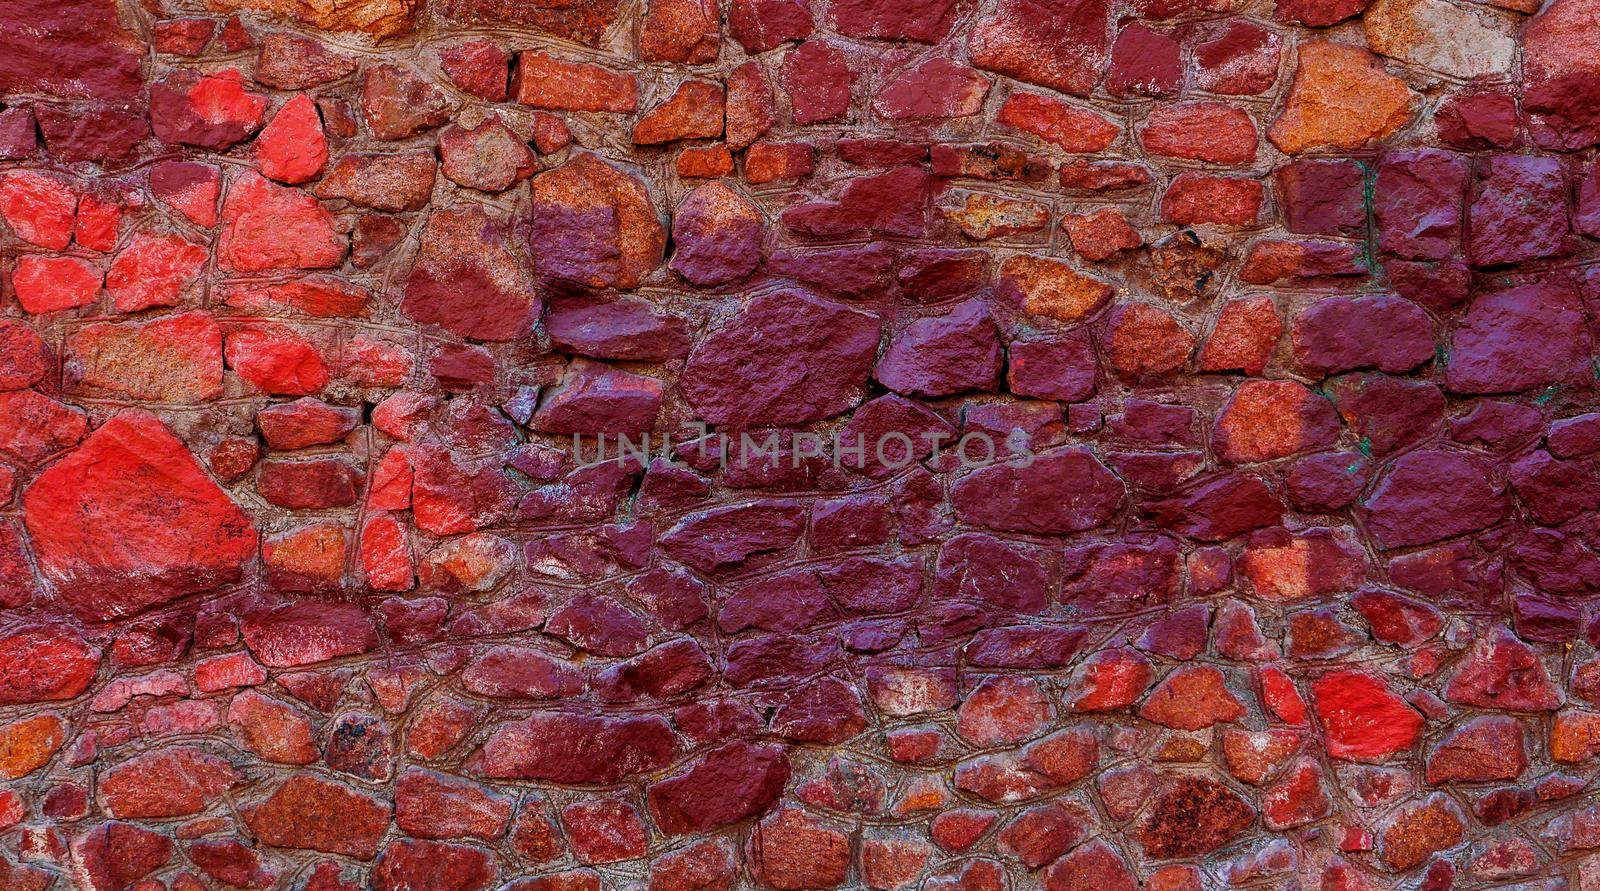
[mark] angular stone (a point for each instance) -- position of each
(1517, 339)
(310, 812)
(942, 355)
(543, 81)
(291, 148)
(1379, 331)
(209, 112)
(1502, 672)
(171, 359)
(1417, 201)
(819, 79)
(1341, 98)
(488, 157)
(398, 103)
(1194, 816)
(786, 358)
(1058, 492)
(1266, 420)
(378, 18)
(390, 182)
(267, 226)
(1428, 496)
(1363, 720)
(728, 784)
(573, 748)
(1213, 132)
(1518, 211)
(1419, 830)
(75, 49)
(792, 849)
(1240, 60)
(1071, 128)
(693, 111)
(761, 25)
(1051, 288)
(934, 90)
(153, 270)
(717, 235)
(1060, 45)
(468, 280)
(584, 23)
(170, 782)
(1486, 748)
(1560, 91)
(132, 503)
(594, 225)
(289, 61)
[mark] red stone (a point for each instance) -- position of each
(1363, 719)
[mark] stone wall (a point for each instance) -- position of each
(1278, 318)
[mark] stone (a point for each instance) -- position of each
(390, 182)
(467, 246)
(1327, 197)
(1051, 288)
(1378, 331)
(1419, 830)
(684, 31)
(693, 111)
(1082, 494)
(1341, 98)
(291, 148)
(1440, 36)
(307, 632)
(1143, 340)
(791, 849)
(38, 208)
(1428, 496)
(785, 358)
(168, 525)
(1417, 201)
(1266, 420)
(1519, 338)
(1559, 69)
(1071, 128)
(310, 812)
(1213, 132)
(936, 89)
(1518, 211)
(171, 782)
(428, 864)
(76, 49)
(289, 61)
(1240, 60)
(276, 360)
(28, 744)
(584, 23)
(728, 784)
(1144, 62)
(717, 234)
(761, 25)
(1502, 672)
(53, 284)
(1363, 720)
(1063, 46)
(488, 157)
(1100, 235)
(398, 103)
(1062, 368)
(210, 112)
(594, 225)
(1486, 748)
(543, 81)
(1244, 337)
(1193, 816)
(478, 67)
(941, 355)
(1193, 199)
(171, 359)
(267, 226)
(819, 80)
(377, 18)
(570, 748)
(895, 19)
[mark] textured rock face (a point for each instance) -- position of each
(129, 520)
(899, 445)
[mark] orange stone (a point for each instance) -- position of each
(1052, 288)
(1341, 98)
(28, 744)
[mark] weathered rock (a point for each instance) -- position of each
(1063, 46)
(1341, 98)
(1517, 339)
(132, 503)
(594, 225)
(786, 358)
(468, 279)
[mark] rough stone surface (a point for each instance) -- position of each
(897, 445)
